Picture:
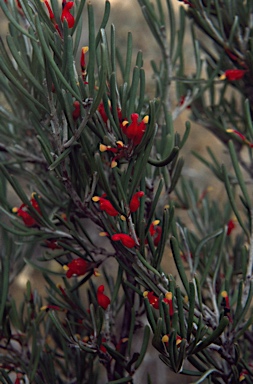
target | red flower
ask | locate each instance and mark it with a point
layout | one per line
(105, 205)
(153, 299)
(51, 13)
(226, 304)
(231, 227)
(52, 244)
(28, 220)
(19, 377)
(83, 62)
(244, 139)
(155, 231)
(135, 201)
(76, 267)
(233, 74)
(165, 339)
(126, 240)
(135, 130)
(66, 15)
(77, 111)
(52, 17)
(103, 300)
(168, 300)
(101, 110)
(102, 347)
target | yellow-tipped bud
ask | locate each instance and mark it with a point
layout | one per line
(125, 122)
(165, 339)
(186, 299)
(223, 77)
(120, 143)
(114, 164)
(65, 267)
(96, 272)
(103, 234)
(145, 293)
(95, 199)
(169, 295)
(156, 222)
(224, 294)
(43, 308)
(15, 209)
(145, 119)
(85, 49)
(122, 217)
(103, 147)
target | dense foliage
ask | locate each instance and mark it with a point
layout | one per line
(96, 166)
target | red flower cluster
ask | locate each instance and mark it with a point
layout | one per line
(120, 151)
(135, 130)
(28, 220)
(154, 300)
(125, 239)
(76, 267)
(106, 205)
(233, 74)
(103, 300)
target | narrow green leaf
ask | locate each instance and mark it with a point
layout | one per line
(143, 347)
(239, 175)
(179, 263)
(232, 201)
(214, 335)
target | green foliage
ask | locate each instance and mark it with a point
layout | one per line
(88, 154)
